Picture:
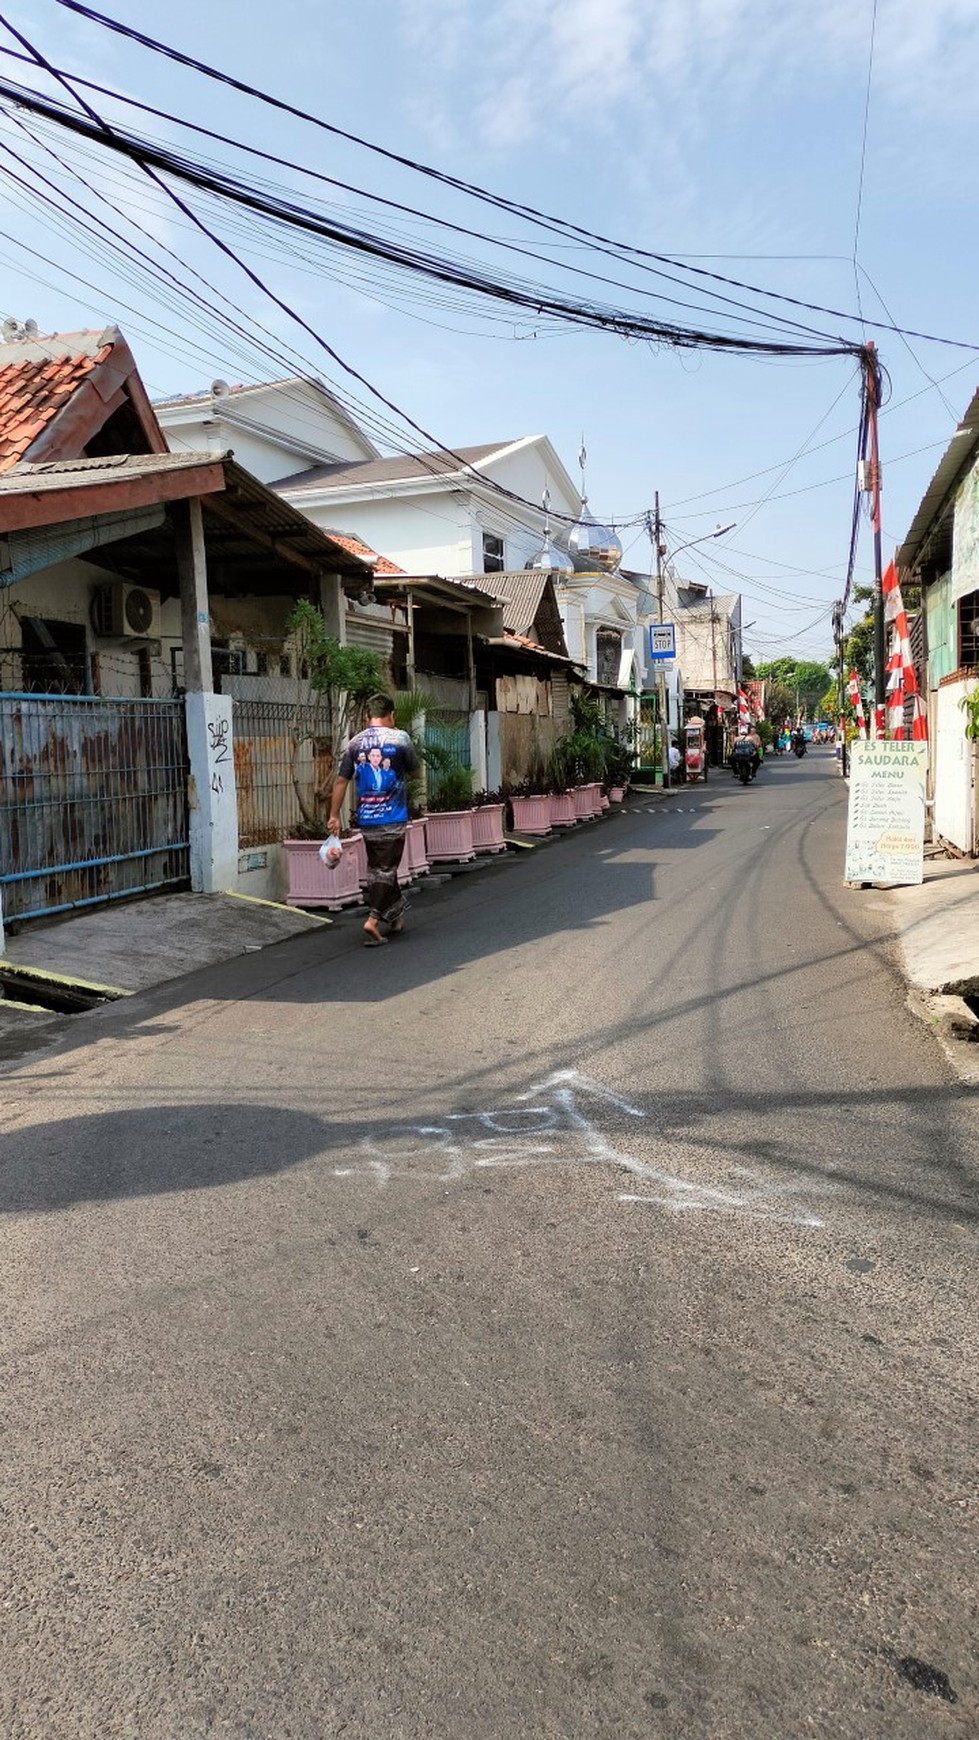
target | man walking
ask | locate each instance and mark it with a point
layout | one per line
(378, 760)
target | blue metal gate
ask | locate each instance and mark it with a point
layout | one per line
(93, 801)
(447, 733)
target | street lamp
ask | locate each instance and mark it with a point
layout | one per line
(654, 526)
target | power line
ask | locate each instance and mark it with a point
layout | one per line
(515, 207)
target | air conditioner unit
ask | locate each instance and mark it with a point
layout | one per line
(121, 611)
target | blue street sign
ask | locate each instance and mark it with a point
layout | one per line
(661, 642)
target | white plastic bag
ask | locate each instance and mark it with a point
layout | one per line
(331, 852)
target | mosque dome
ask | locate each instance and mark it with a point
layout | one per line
(549, 556)
(593, 546)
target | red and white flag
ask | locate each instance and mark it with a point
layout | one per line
(856, 701)
(902, 679)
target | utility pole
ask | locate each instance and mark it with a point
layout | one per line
(872, 388)
(664, 742)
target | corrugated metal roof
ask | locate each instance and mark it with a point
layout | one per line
(251, 503)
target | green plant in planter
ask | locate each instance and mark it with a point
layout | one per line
(411, 706)
(453, 791)
(618, 763)
(329, 707)
(970, 703)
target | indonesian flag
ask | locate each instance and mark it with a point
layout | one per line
(744, 712)
(902, 680)
(856, 701)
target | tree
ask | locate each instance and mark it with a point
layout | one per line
(337, 681)
(779, 703)
(804, 678)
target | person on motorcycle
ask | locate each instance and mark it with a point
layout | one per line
(745, 750)
(798, 741)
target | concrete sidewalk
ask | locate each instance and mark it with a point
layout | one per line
(937, 927)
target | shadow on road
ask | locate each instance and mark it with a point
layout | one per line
(816, 1142)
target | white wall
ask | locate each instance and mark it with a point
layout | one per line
(955, 768)
(425, 534)
(272, 434)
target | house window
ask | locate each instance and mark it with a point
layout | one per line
(53, 657)
(969, 631)
(494, 561)
(608, 657)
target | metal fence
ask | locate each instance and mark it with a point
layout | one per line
(93, 800)
(278, 762)
(448, 734)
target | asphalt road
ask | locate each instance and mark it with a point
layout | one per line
(560, 1323)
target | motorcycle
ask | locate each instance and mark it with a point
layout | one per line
(744, 765)
(799, 750)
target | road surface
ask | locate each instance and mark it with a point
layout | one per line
(561, 1323)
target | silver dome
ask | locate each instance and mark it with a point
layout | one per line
(592, 545)
(550, 557)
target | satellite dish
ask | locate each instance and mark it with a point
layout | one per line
(11, 328)
(31, 328)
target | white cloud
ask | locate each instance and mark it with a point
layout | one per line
(524, 67)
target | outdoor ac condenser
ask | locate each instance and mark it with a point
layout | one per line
(121, 611)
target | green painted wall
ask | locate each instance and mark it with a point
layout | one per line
(941, 619)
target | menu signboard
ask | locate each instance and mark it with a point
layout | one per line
(885, 831)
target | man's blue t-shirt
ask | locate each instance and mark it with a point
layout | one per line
(379, 760)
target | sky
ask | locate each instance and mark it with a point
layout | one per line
(814, 148)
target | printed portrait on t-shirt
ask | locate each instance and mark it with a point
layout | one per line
(378, 761)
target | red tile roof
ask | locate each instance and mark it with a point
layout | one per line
(357, 547)
(33, 389)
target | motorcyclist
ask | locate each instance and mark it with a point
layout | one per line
(746, 748)
(798, 741)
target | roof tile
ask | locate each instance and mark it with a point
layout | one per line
(32, 391)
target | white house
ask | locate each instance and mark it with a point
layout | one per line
(272, 428)
(470, 510)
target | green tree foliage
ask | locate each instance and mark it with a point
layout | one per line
(779, 702)
(339, 681)
(804, 678)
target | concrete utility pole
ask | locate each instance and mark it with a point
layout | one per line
(654, 526)
(664, 742)
(872, 376)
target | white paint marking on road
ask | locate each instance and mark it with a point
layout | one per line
(444, 1155)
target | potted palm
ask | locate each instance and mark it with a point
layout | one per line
(449, 823)
(559, 779)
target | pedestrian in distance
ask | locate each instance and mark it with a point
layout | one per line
(378, 762)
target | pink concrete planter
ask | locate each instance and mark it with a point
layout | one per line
(417, 850)
(562, 810)
(606, 802)
(488, 828)
(616, 793)
(532, 815)
(449, 837)
(595, 796)
(582, 799)
(312, 883)
(414, 858)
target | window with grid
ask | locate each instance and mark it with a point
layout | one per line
(969, 631)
